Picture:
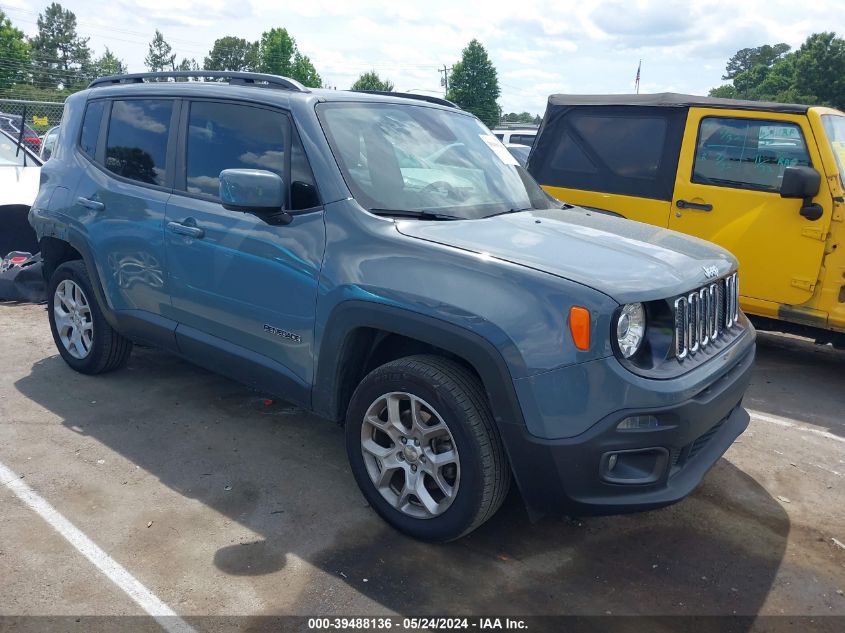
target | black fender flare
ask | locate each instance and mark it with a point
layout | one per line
(75, 240)
(527, 459)
(348, 316)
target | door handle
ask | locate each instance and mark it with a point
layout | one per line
(94, 205)
(683, 204)
(189, 231)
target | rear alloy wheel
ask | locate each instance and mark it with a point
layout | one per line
(73, 318)
(83, 337)
(424, 449)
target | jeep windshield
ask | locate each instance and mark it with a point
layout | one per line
(834, 127)
(417, 161)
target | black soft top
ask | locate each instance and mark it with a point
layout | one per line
(674, 100)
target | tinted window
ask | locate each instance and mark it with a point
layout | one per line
(91, 127)
(523, 139)
(612, 149)
(632, 149)
(747, 153)
(303, 188)
(569, 157)
(231, 136)
(137, 140)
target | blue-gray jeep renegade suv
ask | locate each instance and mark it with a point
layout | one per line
(383, 261)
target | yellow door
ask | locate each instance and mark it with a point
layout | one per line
(727, 192)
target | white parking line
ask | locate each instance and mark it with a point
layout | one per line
(775, 419)
(142, 596)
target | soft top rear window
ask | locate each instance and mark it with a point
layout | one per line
(612, 149)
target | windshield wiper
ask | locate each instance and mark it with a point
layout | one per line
(493, 215)
(413, 213)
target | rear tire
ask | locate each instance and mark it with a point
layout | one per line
(424, 449)
(82, 335)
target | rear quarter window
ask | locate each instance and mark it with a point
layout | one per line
(91, 127)
(136, 147)
(611, 149)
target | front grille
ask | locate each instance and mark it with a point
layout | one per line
(705, 315)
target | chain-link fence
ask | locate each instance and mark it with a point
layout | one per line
(38, 116)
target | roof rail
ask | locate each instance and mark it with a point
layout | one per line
(411, 95)
(234, 77)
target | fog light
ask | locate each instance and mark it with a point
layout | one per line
(639, 422)
(634, 466)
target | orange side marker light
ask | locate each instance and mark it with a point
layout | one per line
(579, 327)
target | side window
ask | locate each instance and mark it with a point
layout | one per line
(747, 153)
(303, 187)
(631, 151)
(231, 136)
(523, 139)
(91, 127)
(136, 146)
(499, 136)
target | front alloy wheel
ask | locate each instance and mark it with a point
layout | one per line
(424, 448)
(410, 455)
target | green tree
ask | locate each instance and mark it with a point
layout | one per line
(232, 53)
(725, 91)
(371, 81)
(59, 55)
(522, 117)
(474, 84)
(109, 64)
(14, 51)
(745, 59)
(813, 74)
(160, 56)
(820, 69)
(188, 64)
(279, 55)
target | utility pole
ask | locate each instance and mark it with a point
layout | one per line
(444, 80)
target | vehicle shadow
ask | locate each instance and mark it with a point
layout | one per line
(283, 474)
(799, 380)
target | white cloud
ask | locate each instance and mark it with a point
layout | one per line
(588, 46)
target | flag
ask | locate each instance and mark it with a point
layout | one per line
(637, 80)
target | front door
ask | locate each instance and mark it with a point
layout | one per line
(727, 191)
(240, 285)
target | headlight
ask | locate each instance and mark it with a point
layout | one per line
(630, 328)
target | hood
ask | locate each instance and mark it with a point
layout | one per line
(19, 185)
(628, 261)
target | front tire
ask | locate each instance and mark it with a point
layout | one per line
(424, 449)
(82, 335)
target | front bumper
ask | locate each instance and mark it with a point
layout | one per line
(572, 475)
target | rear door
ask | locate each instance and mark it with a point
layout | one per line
(243, 289)
(728, 192)
(121, 197)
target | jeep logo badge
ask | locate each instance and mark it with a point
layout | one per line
(710, 271)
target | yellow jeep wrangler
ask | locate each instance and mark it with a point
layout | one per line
(764, 180)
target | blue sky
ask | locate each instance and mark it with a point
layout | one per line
(538, 47)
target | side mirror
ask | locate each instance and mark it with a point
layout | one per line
(252, 190)
(800, 182)
(804, 183)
